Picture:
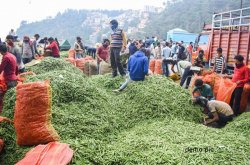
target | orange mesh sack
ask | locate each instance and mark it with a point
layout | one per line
(158, 67)
(226, 90)
(71, 60)
(152, 65)
(244, 97)
(80, 63)
(32, 118)
(216, 86)
(72, 53)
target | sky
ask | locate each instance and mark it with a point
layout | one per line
(13, 12)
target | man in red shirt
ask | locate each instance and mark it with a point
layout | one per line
(9, 69)
(240, 77)
(54, 47)
(103, 53)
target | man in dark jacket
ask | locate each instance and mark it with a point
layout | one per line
(137, 67)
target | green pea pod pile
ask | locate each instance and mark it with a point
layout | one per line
(150, 122)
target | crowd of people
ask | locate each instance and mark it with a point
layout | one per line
(174, 55)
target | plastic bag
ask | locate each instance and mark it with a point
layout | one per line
(53, 153)
(226, 90)
(33, 114)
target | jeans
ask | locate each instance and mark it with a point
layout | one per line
(78, 55)
(125, 84)
(223, 119)
(165, 67)
(116, 61)
(187, 75)
(27, 60)
(235, 100)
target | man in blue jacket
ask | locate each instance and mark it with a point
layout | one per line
(137, 66)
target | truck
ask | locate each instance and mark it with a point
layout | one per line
(229, 30)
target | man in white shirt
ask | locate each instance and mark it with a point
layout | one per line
(166, 53)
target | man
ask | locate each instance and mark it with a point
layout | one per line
(216, 111)
(117, 45)
(27, 50)
(157, 51)
(219, 62)
(103, 53)
(137, 67)
(202, 89)
(188, 73)
(240, 77)
(190, 51)
(132, 48)
(54, 48)
(79, 48)
(9, 68)
(166, 53)
(36, 38)
(14, 49)
(181, 55)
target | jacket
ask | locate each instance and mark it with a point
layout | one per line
(138, 66)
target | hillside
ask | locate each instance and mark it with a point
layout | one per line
(93, 25)
(189, 15)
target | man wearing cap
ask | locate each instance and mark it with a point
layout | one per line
(53, 46)
(216, 111)
(118, 44)
(79, 48)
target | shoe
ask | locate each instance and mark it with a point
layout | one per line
(113, 76)
(116, 90)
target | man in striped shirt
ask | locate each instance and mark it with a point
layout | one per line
(118, 44)
(219, 62)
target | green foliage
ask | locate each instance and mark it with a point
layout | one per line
(150, 122)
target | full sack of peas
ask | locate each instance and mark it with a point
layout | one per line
(33, 114)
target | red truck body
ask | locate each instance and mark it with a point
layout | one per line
(230, 31)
